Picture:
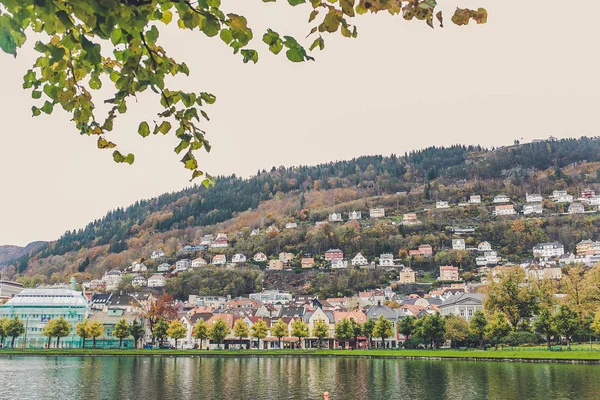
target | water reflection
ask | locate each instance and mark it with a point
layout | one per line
(168, 378)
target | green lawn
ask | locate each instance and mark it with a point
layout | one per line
(478, 354)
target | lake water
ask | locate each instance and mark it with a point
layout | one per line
(180, 378)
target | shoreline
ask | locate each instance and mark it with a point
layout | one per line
(561, 357)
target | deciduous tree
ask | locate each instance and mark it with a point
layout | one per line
(299, 330)
(201, 331)
(121, 331)
(259, 330)
(545, 325)
(137, 331)
(14, 328)
(477, 327)
(497, 328)
(320, 331)
(82, 329)
(176, 330)
(219, 331)
(96, 330)
(280, 330)
(383, 329)
(241, 330)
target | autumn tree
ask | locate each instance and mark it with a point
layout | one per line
(406, 326)
(457, 330)
(62, 328)
(368, 328)
(116, 43)
(477, 327)
(299, 330)
(3, 334)
(121, 331)
(14, 328)
(176, 330)
(432, 329)
(567, 323)
(82, 329)
(160, 330)
(161, 308)
(241, 330)
(219, 331)
(497, 328)
(320, 331)
(259, 330)
(279, 330)
(96, 329)
(545, 325)
(383, 329)
(200, 331)
(343, 331)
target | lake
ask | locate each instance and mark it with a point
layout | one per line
(179, 378)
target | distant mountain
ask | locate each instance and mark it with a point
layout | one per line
(409, 183)
(10, 253)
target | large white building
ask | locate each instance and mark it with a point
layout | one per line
(354, 215)
(183, 265)
(534, 208)
(548, 250)
(475, 199)
(376, 213)
(504, 209)
(386, 260)
(561, 196)
(533, 198)
(441, 204)
(501, 198)
(458, 244)
(359, 260)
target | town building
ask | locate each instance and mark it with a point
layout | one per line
(484, 246)
(338, 263)
(406, 276)
(112, 279)
(9, 289)
(375, 312)
(377, 213)
(271, 297)
(221, 242)
(164, 267)
(533, 198)
(533, 208)
(307, 262)
(183, 265)
(359, 260)
(157, 281)
(458, 244)
(501, 198)
(285, 257)
(291, 225)
(587, 193)
(548, 250)
(410, 219)
(139, 281)
(441, 204)
(157, 254)
(576, 208)
(426, 250)
(35, 307)
(386, 260)
(463, 305)
(504, 209)
(335, 217)
(561, 196)
(475, 199)
(333, 254)
(275, 265)
(238, 258)
(488, 258)
(219, 259)
(354, 215)
(198, 262)
(448, 273)
(260, 257)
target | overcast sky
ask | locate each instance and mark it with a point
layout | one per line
(530, 72)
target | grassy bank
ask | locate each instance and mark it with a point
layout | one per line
(512, 354)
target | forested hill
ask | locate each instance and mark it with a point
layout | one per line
(308, 193)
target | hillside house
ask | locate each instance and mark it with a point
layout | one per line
(291, 225)
(576, 208)
(587, 193)
(333, 254)
(238, 258)
(504, 209)
(548, 250)
(475, 199)
(221, 242)
(484, 246)
(275, 265)
(533, 208)
(441, 204)
(410, 219)
(359, 260)
(285, 257)
(488, 258)
(338, 263)
(376, 213)
(219, 259)
(139, 281)
(164, 267)
(307, 262)
(335, 217)
(157, 281)
(448, 273)
(255, 232)
(198, 262)
(501, 198)
(533, 198)
(260, 257)
(157, 254)
(458, 244)
(426, 250)
(406, 276)
(561, 196)
(354, 215)
(183, 265)
(386, 260)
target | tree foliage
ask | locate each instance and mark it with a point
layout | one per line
(320, 331)
(218, 331)
(13, 328)
(478, 326)
(201, 331)
(122, 330)
(176, 330)
(383, 329)
(299, 330)
(279, 330)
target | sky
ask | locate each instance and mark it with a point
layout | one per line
(530, 72)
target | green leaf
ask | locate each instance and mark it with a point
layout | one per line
(118, 157)
(36, 94)
(104, 144)
(250, 55)
(347, 7)
(47, 107)
(35, 111)
(164, 127)
(272, 39)
(167, 16)
(130, 159)
(7, 42)
(296, 2)
(144, 129)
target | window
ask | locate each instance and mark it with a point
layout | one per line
(462, 312)
(470, 312)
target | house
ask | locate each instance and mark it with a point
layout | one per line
(183, 265)
(291, 225)
(354, 215)
(307, 262)
(311, 317)
(207, 240)
(271, 297)
(378, 310)
(359, 260)
(484, 246)
(548, 250)
(275, 265)
(441, 204)
(157, 254)
(594, 201)
(285, 257)
(576, 208)
(338, 263)
(464, 305)
(458, 244)
(221, 242)
(219, 259)
(138, 267)
(407, 276)
(321, 223)
(198, 262)
(535, 208)
(255, 232)
(335, 217)
(587, 193)
(238, 258)
(504, 209)
(561, 196)
(501, 198)
(112, 279)
(193, 249)
(587, 247)
(475, 199)
(426, 250)
(448, 273)
(139, 281)
(553, 273)
(410, 219)
(260, 257)
(533, 198)
(376, 213)
(333, 254)
(157, 280)
(164, 267)
(386, 260)
(488, 258)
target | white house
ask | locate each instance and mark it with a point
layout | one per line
(198, 262)
(504, 209)
(139, 281)
(260, 257)
(533, 198)
(576, 208)
(238, 258)
(157, 280)
(501, 198)
(164, 267)
(183, 265)
(484, 246)
(441, 204)
(594, 201)
(337, 263)
(475, 199)
(377, 213)
(561, 196)
(386, 260)
(335, 217)
(254, 232)
(219, 259)
(138, 267)
(291, 225)
(112, 279)
(458, 244)
(534, 208)
(359, 260)
(488, 258)
(221, 242)
(157, 254)
(548, 250)
(355, 215)
(463, 305)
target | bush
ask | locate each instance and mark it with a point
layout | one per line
(520, 338)
(413, 343)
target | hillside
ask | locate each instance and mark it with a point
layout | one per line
(400, 184)
(10, 253)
